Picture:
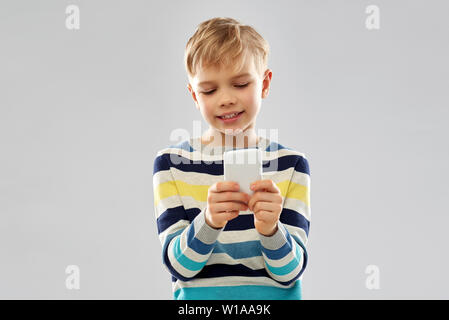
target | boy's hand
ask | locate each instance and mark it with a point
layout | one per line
(266, 203)
(224, 203)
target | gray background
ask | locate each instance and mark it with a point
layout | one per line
(83, 113)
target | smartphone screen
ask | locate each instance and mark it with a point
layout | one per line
(243, 166)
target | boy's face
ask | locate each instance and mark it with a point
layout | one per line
(218, 91)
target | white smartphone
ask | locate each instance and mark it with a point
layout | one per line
(243, 166)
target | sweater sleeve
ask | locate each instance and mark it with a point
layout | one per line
(186, 246)
(285, 253)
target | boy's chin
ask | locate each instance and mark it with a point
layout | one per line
(231, 131)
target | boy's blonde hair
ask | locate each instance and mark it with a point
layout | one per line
(223, 42)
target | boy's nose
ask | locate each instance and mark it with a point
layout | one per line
(227, 99)
(227, 102)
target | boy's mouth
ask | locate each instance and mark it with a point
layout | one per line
(230, 117)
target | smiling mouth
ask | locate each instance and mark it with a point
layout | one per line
(233, 116)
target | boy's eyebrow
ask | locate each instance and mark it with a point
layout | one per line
(237, 76)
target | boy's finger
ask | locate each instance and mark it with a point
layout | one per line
(229, 206)
(263, 215)
(265, 206)
(267, 184)
(261, 196)
(231, 196)
(230, 215)
(225, 186)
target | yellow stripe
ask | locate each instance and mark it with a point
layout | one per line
(199, 192)
(292, 190)
(171, 188)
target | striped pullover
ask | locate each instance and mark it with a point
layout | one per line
(234, 262)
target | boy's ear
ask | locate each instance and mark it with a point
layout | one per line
(192, 92)
(266, 82)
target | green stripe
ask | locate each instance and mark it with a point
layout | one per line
(185, 261)
(289, 267)
(254, 292)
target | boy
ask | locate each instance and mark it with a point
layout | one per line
(217, 242)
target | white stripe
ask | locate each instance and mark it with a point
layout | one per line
(300, 178)
(233, 236)
(191, 203)
(161, 177)
(205, 179)
(196, 178)
(298, 206)
(181, 224)
(167, 203)
(299, 232)
(223, 258)
(288, 276)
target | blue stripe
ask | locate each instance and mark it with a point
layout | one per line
(242, 222)
(196, 244)
(294, 218)
(185, 144)
(247, 292)
(289, 267)
(302, 165)
(166, 260)
(305, 256)
(282, 251)
(160, 164)
(185, 261)
(173, 215)
(239, 250)
(169, 238)
(225, 270)
(274, 146)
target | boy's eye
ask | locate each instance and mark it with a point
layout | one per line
(237, 85)
(209, 92)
